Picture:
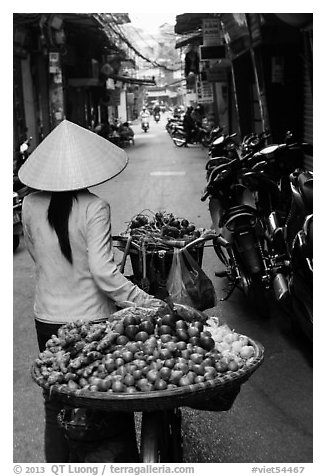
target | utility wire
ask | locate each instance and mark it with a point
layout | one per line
(126, 40)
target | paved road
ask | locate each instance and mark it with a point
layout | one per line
(271, 419)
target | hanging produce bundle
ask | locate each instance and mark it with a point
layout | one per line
(142, 350)
(162, 228)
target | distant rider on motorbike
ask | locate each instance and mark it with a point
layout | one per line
(144, 115)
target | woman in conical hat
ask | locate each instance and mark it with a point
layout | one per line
(67, 231)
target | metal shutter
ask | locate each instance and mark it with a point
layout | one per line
(307, 97)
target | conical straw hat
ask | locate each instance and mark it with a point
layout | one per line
(71, 158)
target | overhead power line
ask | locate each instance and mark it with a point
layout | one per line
(116, 29)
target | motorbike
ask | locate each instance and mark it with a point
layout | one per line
(299, 238)
(17, 220)
(241, 242)
(145, 125)
(19, 192)
(224, 146)
(172, 123)
(199, 135)
(157, 116)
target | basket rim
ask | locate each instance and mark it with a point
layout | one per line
(223, 381)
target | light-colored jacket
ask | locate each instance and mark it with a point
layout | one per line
(89, 288)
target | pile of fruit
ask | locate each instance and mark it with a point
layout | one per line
(161, 227)
(141, 350)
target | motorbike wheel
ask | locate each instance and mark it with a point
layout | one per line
(161, 437)
(16, 242)
(257, 295)
(178, 139)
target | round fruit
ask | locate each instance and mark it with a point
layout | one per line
(186, 354)
(118, 327)
(195, 340)
(165, 373)
(247, 351)
(176, 376)
(160, 384)
(229, 338)
(110, 365)
(118, 387)
(233, 366)
(129, 380)
(137, 374)
(169, 363)
(130, 320)
(207, 342)
(171, 346)
(199, 369)
(199, 378)
(181, 345)
(196, 358)
(169, 320)
(165, 354)
(131, 331)
(122, 340)
(144, 385)
(147, 326)
(199, 325)
(222, 365)
(101, 386)
(127, 356)
(193, 331)
(236, 346)
(152, 375)
(119, 361)
(164, 329)
(184, 381)
(182, 334)
(166, 338)
(131, 389)
(199, 350)
(140, 363)
(116, 354)
(181, 324)
(142, 336)
(132, 346)
(209, 362)
(182, 367)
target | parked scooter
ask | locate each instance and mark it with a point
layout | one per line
(17, 220)
(19, 192)
(199, 135)
(172, 123)
(241, 245)
(299, 237)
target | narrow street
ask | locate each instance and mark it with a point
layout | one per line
(271, 419)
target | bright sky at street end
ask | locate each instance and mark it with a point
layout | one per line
(150, 21)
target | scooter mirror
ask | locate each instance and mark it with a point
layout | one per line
(23, 148)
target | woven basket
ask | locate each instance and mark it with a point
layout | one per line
(217, 394)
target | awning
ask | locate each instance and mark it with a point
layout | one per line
(191, 39)
(130, 79)
(94, 82)
(189, 22)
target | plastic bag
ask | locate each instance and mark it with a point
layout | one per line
(188, 284)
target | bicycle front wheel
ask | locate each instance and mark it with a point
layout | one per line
(161, 437)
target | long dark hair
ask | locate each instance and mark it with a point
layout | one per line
(58, 216)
